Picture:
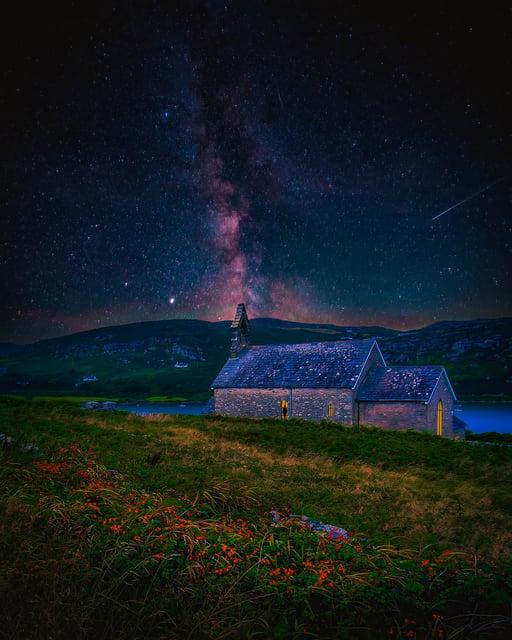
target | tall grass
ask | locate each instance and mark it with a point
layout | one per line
(100, 537)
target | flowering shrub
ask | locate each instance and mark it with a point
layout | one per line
(278, 576)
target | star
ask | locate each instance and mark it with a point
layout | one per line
(314, 187)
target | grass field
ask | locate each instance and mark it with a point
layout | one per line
(158, 527)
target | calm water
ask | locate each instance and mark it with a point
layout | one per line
(478, 416)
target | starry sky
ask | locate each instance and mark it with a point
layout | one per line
(169, 160)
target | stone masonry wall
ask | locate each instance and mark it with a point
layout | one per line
(441, 392)
(253, 403)
(311, 404)
(394, 415)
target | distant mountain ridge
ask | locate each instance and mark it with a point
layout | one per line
(181, 357)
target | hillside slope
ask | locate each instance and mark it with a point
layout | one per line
(127, 527)
(140, 359)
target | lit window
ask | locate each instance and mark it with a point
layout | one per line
(440, 418)
(330, 410)
(284, 409)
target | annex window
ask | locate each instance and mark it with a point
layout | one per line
(284, 409)
(330, 410)
(439, 430)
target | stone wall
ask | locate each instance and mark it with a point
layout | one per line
(441, 392)
(311, 404)
(253, 403)
(394, 415)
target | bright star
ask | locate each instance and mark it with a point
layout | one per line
(171, 300)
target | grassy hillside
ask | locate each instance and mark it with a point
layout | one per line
(158, 527)
(138, 360)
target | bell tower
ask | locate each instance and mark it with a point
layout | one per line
(239, 331)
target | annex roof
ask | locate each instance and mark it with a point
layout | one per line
(415, 383)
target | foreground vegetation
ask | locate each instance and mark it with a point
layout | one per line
(119, 526)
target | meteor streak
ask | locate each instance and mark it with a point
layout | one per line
(470, 197)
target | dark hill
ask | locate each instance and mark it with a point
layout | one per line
(140, 359)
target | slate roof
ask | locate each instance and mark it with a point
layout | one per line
(401, 383)
(310, 365)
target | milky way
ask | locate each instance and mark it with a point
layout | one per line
(171, 160)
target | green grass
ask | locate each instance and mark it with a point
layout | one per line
(77, 400)
(181, 545)
(490, 436)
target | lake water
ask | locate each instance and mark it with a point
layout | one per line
(483, 416)
(479, 416)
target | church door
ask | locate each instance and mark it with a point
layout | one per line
(284, 409)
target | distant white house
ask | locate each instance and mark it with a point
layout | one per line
(180, 365)
(89, 379)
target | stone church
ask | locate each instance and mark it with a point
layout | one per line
(346, 381)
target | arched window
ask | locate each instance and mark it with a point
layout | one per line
(330, 410)
(284, 409)
(440, 418)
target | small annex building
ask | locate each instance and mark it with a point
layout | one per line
(346, 381)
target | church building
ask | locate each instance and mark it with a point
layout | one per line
(346, 381)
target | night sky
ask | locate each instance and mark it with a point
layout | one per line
(169, 160)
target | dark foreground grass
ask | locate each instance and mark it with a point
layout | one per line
(177, 542)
